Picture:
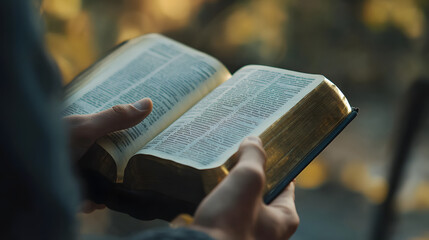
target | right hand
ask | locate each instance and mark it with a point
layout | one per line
(235, 210)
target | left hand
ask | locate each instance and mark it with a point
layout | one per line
(84, 130)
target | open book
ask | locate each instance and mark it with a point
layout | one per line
(201, 113)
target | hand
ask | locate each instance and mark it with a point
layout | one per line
(86, 129)
(234, 209)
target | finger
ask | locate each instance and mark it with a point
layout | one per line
(246, 181)
(252, 153)
(284, 206)
(119, 117)
(248, 176)
(239, 194)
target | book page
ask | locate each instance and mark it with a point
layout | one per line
(247, 104)
(174, 76)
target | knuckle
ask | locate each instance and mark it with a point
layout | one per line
(125, 116)
(125, 111)
(293, 226)
(122, 109)
(292, 222)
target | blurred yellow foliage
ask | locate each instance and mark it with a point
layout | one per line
(260, 22)
(140, 17)
(376, 190)
(422, 195)
(62, 9)
(74, 49)
(314, 175)
(73, 45)
(355, 176)
(404, 14)
(239, 27)
(175, 10)
(416, 198)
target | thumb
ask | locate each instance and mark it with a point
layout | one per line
(120, 117)
(239, 194)
(249, 175)
(246, 180)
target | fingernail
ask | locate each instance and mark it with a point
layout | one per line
(143, 104)
(254, 139)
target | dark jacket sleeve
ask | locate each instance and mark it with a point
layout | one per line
(38, 193)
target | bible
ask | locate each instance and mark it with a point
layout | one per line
(169, 162)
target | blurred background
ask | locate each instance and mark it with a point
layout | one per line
(372, 49)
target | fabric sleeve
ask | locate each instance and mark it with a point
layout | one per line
(39, 195)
